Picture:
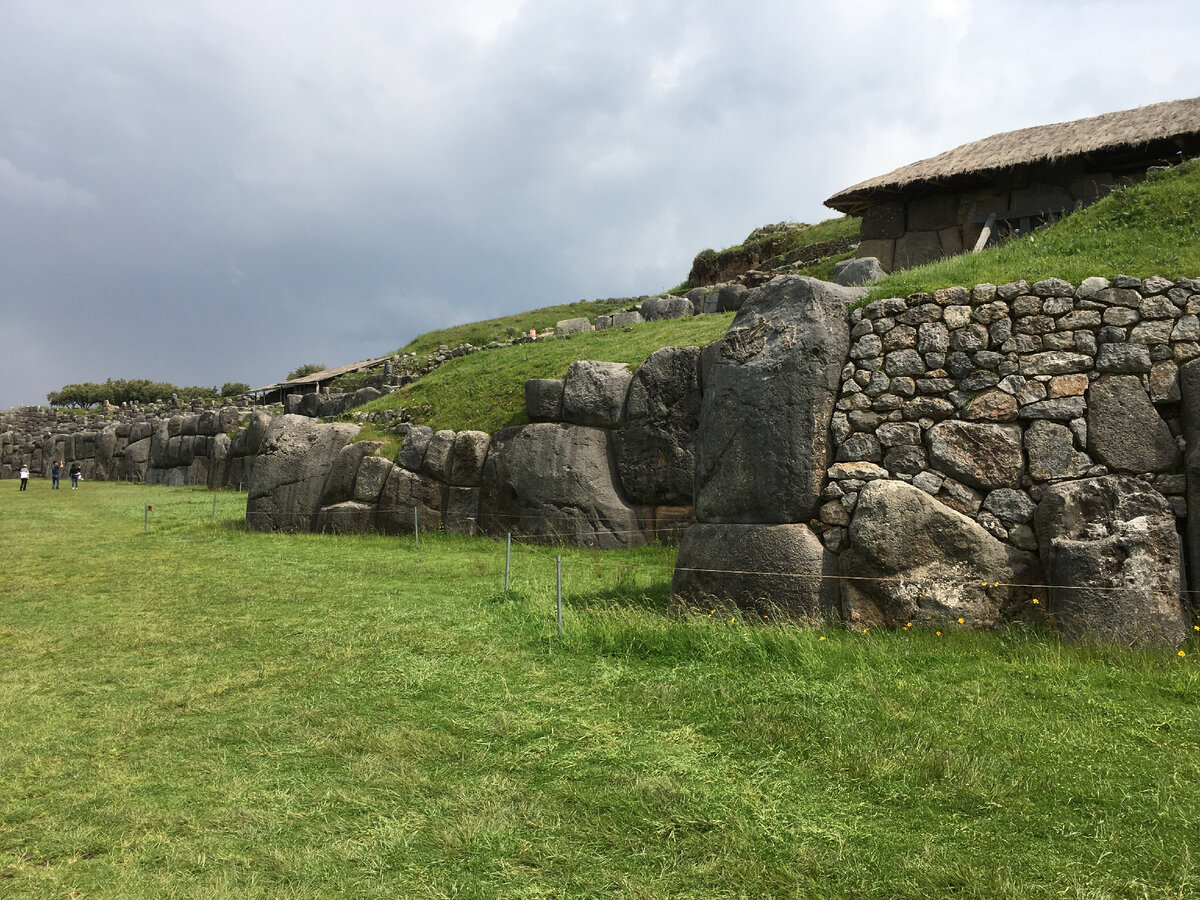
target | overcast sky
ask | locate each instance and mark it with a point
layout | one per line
(201, 192)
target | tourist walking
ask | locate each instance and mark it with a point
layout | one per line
(76, 472)
(55, 474)
(24, 477)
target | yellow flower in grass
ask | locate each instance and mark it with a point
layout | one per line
(1034, 601)
(961, 621)
(821, 638)
(938, 633)
(1182, 654)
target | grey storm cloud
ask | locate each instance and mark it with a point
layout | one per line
(218, 191)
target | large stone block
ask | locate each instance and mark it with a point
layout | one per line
(290, 472)
(1125, 431)
(769, 388)
(983, 455)
(464, 465)
(543, 399)
(917, 248)
(407, 497)
(654, 451)
(910, 558)
(556, 481)
(1111, 554)
(594, 393)
(654, 309)
(884, 221)
(762, 569)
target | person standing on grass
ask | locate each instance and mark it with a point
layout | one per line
(55, 474)
(76, 471)
(24, 477)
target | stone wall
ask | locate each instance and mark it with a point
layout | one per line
(606, 462)
(213, 446)
(1012, 451)
(983, 397)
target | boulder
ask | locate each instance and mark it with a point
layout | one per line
(910, 558)
(373, 473)
(654, 451)
(1112, 556)
(464, 465)
(437, 455)
(769, 388)
(980, 454)
(762, 569)
(404, 492)
(543, 399)
(1052, 453)
(594, 393)
(554, 480)
(348, 517)
(567, 327)
(654, 309)
(852, 272)
(137, 455)
(412, 451)
(339, 484)
(1125, 431)
(289, 474)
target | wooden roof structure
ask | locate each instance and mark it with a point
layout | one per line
(1176, 122)
(317, 378)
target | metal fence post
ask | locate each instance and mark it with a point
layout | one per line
(558, 604)
(416, 528)
(507, 561)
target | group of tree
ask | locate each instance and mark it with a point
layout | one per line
(138, 390)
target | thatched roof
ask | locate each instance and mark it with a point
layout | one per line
(324, 375)
(1041, 144)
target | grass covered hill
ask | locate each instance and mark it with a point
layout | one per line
(250, 715)
(1150, 228)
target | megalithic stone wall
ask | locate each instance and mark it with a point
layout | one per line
(990, 403)
(215, 446)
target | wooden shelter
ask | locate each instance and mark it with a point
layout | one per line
(1013, 181)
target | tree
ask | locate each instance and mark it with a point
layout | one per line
(306, 369)
(234, 388)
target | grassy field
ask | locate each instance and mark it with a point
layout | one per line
(196, 711)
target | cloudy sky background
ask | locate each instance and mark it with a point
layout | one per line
(215, 191)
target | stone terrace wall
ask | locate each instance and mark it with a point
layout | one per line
(213, 446)
(984, 397)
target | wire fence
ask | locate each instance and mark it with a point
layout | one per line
(424, 522)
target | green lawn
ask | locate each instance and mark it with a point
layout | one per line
(196, 711)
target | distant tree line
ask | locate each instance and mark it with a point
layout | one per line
(139, 390)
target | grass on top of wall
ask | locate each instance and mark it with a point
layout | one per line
(485, 391)
(505, 328)
(198, 711)
(1152, 228)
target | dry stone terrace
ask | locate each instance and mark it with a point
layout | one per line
(982, 397)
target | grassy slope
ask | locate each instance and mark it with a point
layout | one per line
(486, 390)
(1150, 229)
(507, 327)
(255, 715)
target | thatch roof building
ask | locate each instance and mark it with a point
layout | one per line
(937, 206)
